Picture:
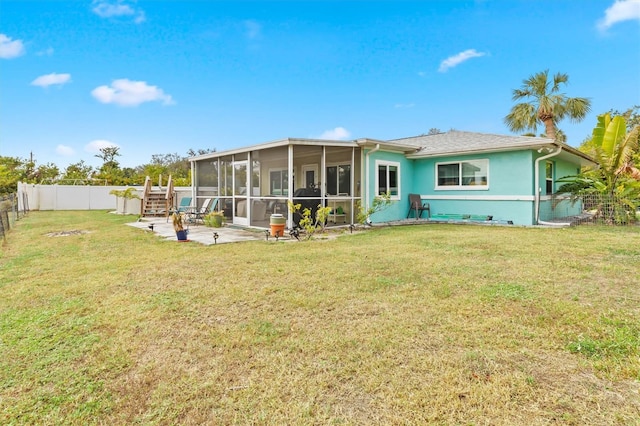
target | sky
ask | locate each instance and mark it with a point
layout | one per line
(162, 77)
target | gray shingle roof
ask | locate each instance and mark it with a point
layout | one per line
(458, 142)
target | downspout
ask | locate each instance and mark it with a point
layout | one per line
(366, 180)
(539, 189)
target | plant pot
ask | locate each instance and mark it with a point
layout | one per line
(182, 235)
(215, 221)
(277, 223)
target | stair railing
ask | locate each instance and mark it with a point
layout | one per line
(169, 196)
(145, 196)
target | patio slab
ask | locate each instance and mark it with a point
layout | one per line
(204, 234)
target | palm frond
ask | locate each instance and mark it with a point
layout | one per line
(546, 106)
(577, 108)
(537, 84)
(521, 117)
(558, 79)
(520, 93)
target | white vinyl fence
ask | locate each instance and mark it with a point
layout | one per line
(84, 197)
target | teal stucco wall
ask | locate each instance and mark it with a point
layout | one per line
(557, 207)
(508, 196)
(399, 207)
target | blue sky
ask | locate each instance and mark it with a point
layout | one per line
(160, 77)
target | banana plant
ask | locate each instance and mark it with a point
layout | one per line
(614, 149)
(617, 177)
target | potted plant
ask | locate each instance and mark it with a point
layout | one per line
(178, 226)
(122, 195)
(214, 219)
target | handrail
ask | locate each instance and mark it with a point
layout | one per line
(147, 187)
(169, 193)
(169, 197)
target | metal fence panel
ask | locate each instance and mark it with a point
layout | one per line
(598, 209)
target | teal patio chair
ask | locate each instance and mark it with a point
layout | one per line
(185, 205)
(199, 214)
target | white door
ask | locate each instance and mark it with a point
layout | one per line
(240, 193)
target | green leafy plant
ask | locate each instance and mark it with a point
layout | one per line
(128, 194)
(380, 203)
(308, 222)
(214, 219)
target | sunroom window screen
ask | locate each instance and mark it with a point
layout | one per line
(279, 182)
(339, 179)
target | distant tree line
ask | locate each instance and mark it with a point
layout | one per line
(15, 169)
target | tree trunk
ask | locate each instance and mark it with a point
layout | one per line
(550, 127)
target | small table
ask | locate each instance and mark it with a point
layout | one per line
(333, 216)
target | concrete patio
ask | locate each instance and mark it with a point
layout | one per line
(204, 234)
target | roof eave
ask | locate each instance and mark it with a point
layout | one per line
(404, 148)
(275, 144)
(584, 159)
(474, 151)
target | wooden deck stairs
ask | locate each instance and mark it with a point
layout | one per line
(157, 201)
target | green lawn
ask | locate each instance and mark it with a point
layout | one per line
(433, 324)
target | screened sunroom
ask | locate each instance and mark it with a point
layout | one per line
(252, 183)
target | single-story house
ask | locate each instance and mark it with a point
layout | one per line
(460, 174)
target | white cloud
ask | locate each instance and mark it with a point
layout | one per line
(125, 92)
(96, 145)
(10, 48)
(65, 151)
(253, 29)
(107, 9)
(620, 10)
(339, 133)
(51, 79)
(456, 60)
(46, 52)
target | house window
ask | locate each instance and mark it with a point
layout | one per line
(339, 179)
(472, 174)
(549, 177)
(388, 179)
(279, 182)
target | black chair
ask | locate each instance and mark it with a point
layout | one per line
(416, 205)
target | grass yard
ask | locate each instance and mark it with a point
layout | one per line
(435, 324)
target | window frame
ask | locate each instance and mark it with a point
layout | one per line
(337, 182)
(549, 180)
(387, 164)
(284, 191)
(460, 185)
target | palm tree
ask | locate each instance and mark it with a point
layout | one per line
(547, 106)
